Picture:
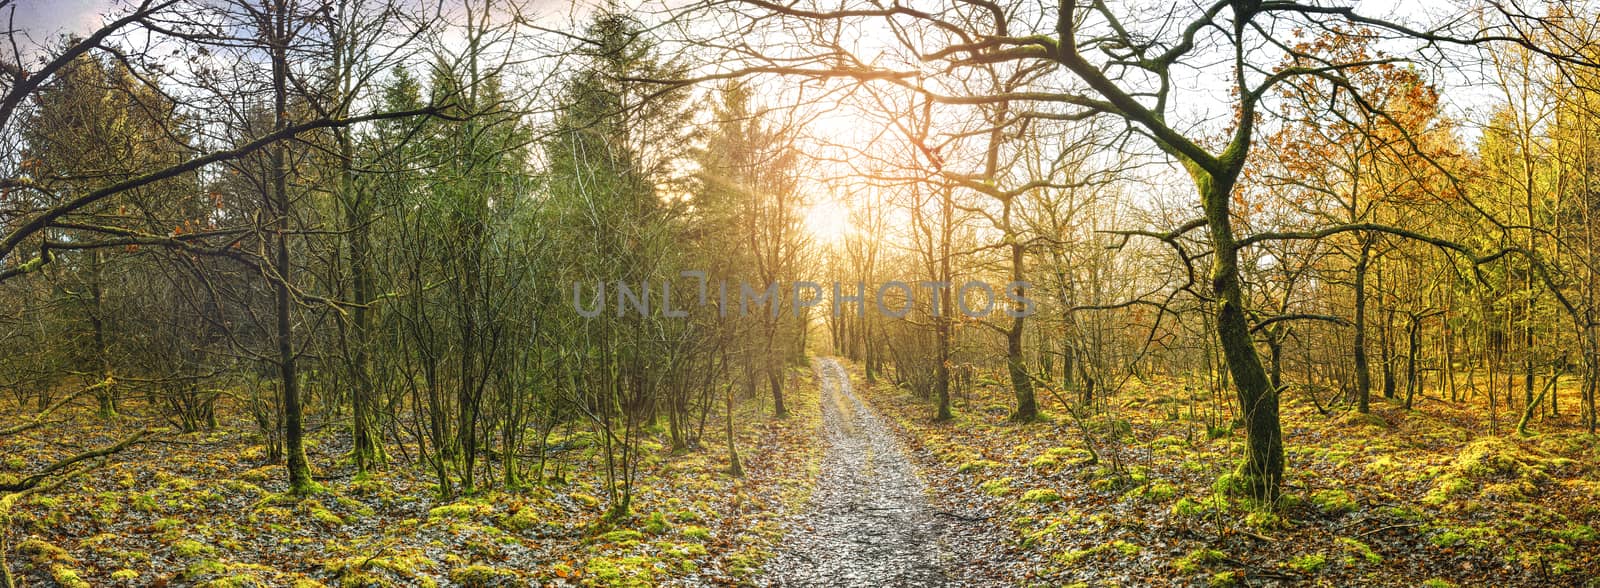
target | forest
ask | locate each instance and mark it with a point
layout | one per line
(799, 293)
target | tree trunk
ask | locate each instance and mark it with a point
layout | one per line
(1413, 350)
(1262, 468)
(1387, 349)
(278, 202)
(1363, 371)
(941, 371)
(775, 380)
(1027, 406)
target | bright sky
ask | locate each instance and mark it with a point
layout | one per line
(44, 19)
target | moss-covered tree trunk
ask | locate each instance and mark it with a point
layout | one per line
(1027, 406)
(1262, 469)
(278, 202)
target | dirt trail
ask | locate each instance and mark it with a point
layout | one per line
(869, 523)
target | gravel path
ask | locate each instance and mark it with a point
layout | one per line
(869, 523)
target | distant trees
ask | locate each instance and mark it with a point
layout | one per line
(616, 206)
(748, 209)
(92, 125)
(1357, 150)
(1371, 135)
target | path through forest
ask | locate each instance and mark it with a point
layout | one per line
(869, 523)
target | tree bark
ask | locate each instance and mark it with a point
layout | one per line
(278, 201)
(1363, 371)
(1262, 469)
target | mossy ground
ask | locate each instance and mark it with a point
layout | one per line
(1393, 498)
(207, 511)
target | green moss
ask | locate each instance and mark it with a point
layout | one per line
(168, 524)
(1230, 484)
(124, 575)
(56, 561)
(682, 550)
(1477, 537)
(976, 465)
(45, 502)
(234, 581)
(243, 487)
(1514, 491)
(1044, 462)
(1384, 465)
(1041, 496)
(697, 533)
(1446, 488)
(271, 513)
(189, 549)
(1167, 441)
(1069, 454)
(1032, 538)
(998, 487)
(1119, 546)
(1368, 419)
(1578, 533)
(1113, 427)
(1488, 456)
(1262, 519)
(585, 499)
(322, 515)
(1333, 501)
(1195, 560)
(1072, 557)
(353, 505)
(1438, 583)
(657, 524)
(1409, 513)
(1359, 552)
(463, 510)
(482, 576)
(627, 572)
(746, 562)
(258, 475)
(1224, 579)
(523, 519)
(623, 537)
(1154, 492)
(179, 484)
(1310, 563)
(67, 577)
(357, 571)
(203, 568)
(1188, 507)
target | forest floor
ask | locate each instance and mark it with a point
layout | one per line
(203, 509)
(857, 487)
(1424, 497)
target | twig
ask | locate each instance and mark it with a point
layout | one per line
(1257, 536)
(962, 517)
(1389, 527)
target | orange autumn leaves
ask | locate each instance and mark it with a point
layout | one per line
(1367, 132)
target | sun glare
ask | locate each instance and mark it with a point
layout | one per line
(828, 221)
